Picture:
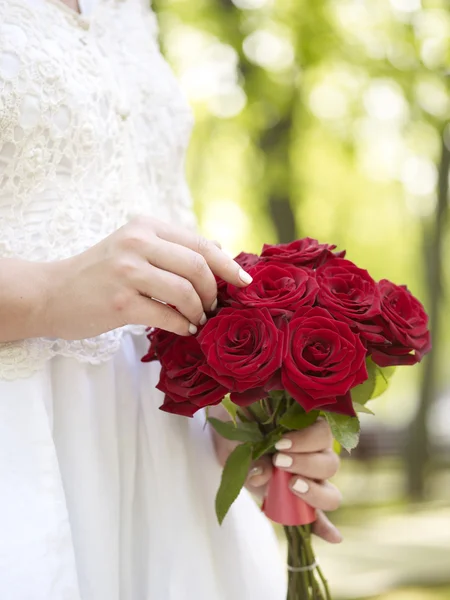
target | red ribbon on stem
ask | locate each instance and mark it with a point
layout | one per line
(282, 506)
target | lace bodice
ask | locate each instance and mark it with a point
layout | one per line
(93, 130)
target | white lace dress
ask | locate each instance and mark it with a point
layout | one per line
(103, 496)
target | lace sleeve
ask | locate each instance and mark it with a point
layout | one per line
(93, 130)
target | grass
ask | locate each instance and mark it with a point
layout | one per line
(414, 593)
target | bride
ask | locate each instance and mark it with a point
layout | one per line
(103, 496)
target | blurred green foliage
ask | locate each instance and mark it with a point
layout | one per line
(417, 593)
(337, 105)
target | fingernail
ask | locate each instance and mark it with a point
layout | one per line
(283, 444)
(203, 319)
(255, 472)
(214, 305)
(300, 486)
(192, 329)
(244, 276)
(283, 460)
(336, 533)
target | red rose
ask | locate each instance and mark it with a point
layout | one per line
(185, 386)
(325, 360)
(405, 327)
(301, 253)
(246, 261)
(243, 349)
(349, 294)
(281, 288)
(160, 340)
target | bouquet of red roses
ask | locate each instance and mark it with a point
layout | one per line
(313, 335)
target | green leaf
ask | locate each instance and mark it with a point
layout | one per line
(234, 476)
(243, 417)
(362, 408)
(279, 406)
(230, 407)
(265, 411)
(278, 395)
(258, 411)
(375, 385)
(345, 429)
(296, 418)
(268, 443)
(242, 432)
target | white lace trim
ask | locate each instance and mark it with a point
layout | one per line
(22, 359)
(93, 131)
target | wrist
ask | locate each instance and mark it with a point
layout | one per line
(47, 301)
(24, 287)
(40, 283)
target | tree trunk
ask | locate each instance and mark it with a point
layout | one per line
(275, 143)
(418, 444)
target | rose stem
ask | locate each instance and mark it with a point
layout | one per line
(297, 581)
(311, 560)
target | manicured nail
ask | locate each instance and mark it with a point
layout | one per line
(255, 472)
(192, 329)
(283, 460)
(300, 486)
(244, 276)
(214, 305)
(283, 444)
(203, 319)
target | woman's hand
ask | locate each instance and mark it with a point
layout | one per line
(309, 456)
(134, 276)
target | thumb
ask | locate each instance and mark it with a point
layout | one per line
(259, 474)
(325, 529)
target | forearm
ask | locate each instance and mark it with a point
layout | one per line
(24, 287)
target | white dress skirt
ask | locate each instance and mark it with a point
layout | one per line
(103, 496)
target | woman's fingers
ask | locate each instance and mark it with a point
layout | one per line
(322, 495)
(315, 438)
(144, 311)
(316, 465)
(171, 289)
(185, 263)
(181, 252)
(219, 262)
(325, 529)
(259, 474)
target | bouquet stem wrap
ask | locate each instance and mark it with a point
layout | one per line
(282, 506)
(305, 580)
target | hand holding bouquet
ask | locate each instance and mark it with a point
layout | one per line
(314, 336)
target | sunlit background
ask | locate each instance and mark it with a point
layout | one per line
(329, 119)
